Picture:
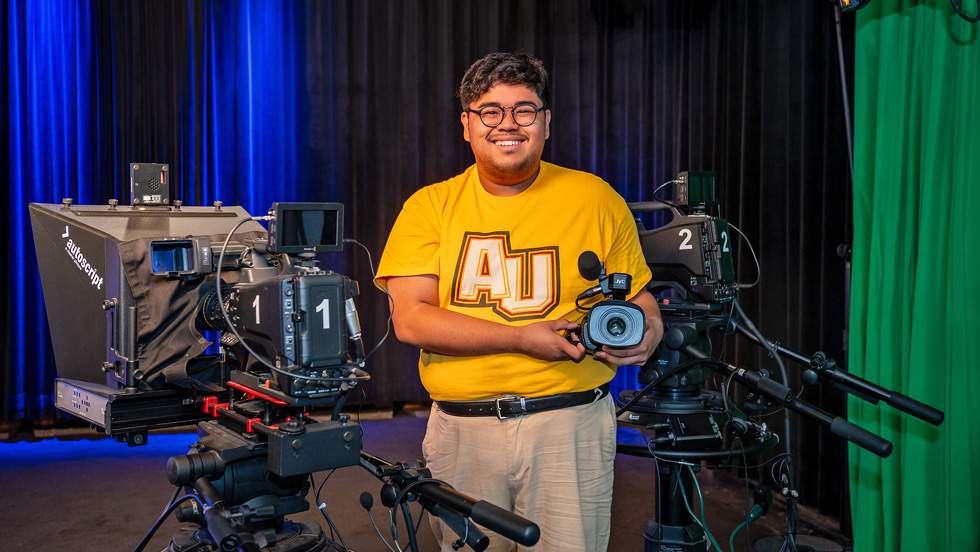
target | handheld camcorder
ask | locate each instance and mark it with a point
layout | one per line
(613, 321)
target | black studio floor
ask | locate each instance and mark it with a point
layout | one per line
(74, 491)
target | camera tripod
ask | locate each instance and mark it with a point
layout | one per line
(685, 431)
(246, 476)
(681, 417)
(251, 468)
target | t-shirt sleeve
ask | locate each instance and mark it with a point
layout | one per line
(625, 253)
(413, 245)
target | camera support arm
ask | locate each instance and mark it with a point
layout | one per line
(784, 396)
(405, 482)
(825, 369)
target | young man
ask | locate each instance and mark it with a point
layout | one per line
(482, 270)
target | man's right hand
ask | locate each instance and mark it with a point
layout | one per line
(546, 340)
(420, 321)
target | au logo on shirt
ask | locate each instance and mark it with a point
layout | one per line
(518, 284)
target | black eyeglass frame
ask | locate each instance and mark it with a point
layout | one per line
(479, 113)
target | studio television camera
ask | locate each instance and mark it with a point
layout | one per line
(164, 277)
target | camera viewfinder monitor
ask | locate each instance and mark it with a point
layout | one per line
(306, 228)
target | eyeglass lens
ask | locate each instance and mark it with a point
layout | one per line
(524, 115)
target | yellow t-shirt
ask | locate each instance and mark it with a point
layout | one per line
(513, 260)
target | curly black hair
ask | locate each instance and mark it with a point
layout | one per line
(507, 68)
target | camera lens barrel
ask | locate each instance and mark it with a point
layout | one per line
(614, 323)
(209, 312)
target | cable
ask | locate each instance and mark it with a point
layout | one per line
(163, 516)
(401, 495)
(724, 392)
(843, 90)
(383, 539)
(323, 510)
(662, 186)
(758, 269)
(687, 505)
(374, 279)
(221, 302)
(418, 525)
(324, 482)
(724, 338)
(656, 381)
(656, 469)
(791, 530)
(956, 7)
(231, 326)
(173, 497)
(754, 514)
(745, 461)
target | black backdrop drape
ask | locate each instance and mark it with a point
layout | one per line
(355, 103)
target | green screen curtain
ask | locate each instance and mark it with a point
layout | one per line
(916, 277)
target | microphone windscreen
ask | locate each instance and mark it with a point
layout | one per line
(367, 500)
(589, 266)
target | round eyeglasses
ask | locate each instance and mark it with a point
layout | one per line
(492, 115)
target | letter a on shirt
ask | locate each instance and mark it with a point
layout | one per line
(516, 284)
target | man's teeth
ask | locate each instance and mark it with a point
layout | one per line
(507, 142)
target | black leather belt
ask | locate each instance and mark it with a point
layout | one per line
(510, 406)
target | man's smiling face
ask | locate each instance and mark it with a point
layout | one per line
(507, 156)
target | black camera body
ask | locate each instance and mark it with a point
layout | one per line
(292, 318)
(297, 320)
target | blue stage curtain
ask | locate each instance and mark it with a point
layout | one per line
(51, 154)
(90, 88)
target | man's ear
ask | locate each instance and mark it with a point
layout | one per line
(465, 119)
(547, 124)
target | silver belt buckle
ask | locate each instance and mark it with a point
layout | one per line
(496, 403)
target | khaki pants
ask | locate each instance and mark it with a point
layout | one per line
(554, 468)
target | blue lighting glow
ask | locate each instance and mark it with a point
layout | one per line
(237, 121)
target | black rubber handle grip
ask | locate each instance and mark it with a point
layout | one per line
(919, 410)
(493, 517)
(861, 437)
(221, 530)
(508, 524)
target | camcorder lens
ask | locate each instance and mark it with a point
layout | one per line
(616, 326)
